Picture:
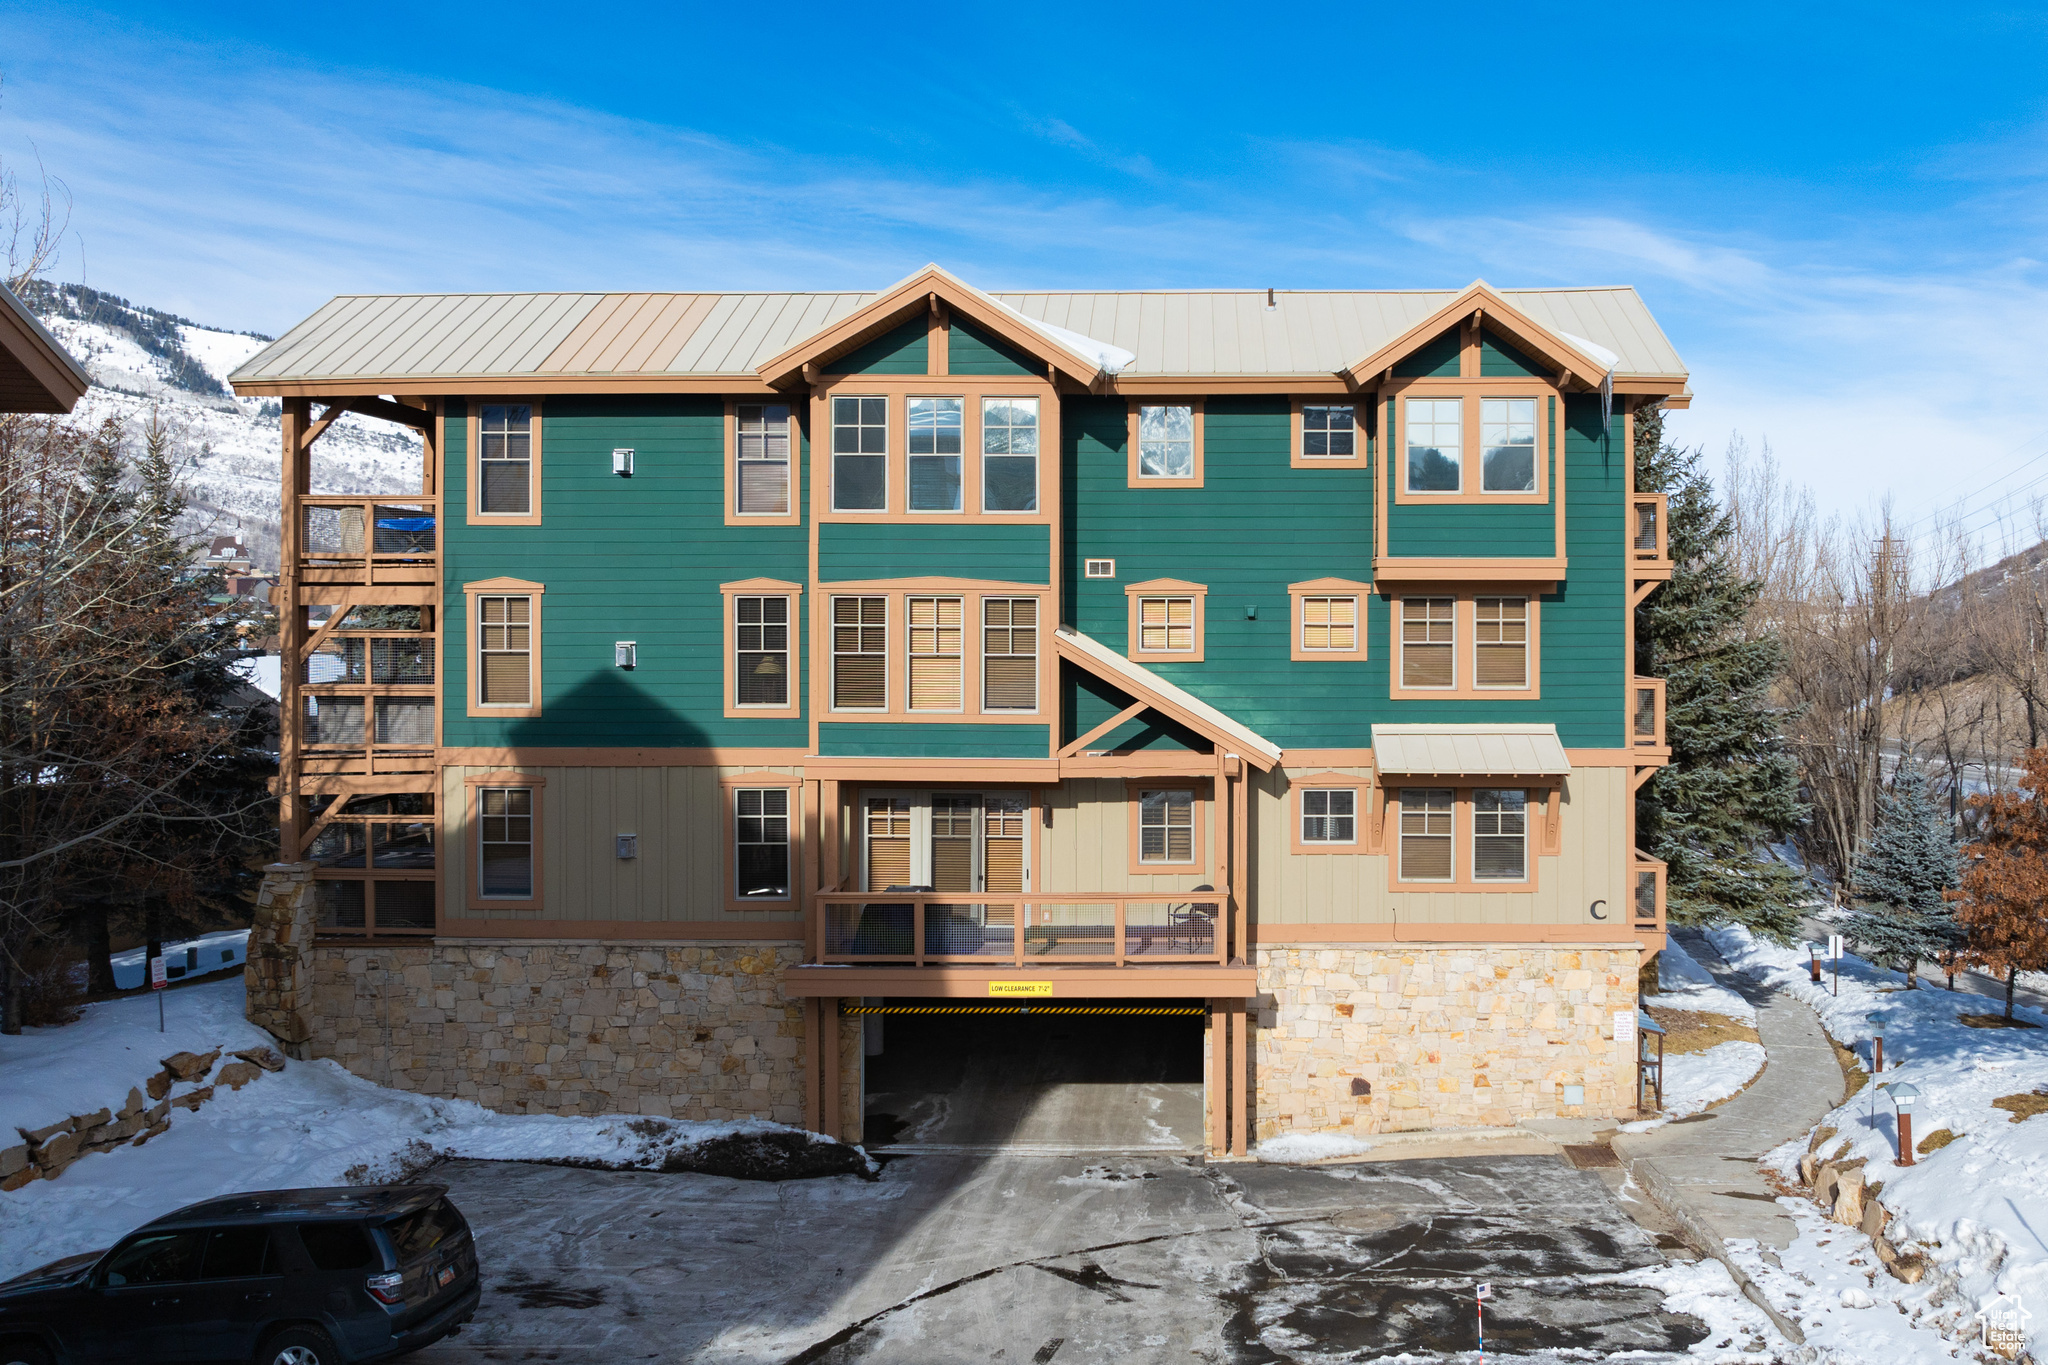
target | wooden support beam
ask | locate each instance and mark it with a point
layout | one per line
(327, 419)
(814, 1082)
(828, 1039)
(1215, 1073)
(386, 411)
(1099, 731)
(1641, 591)
(1240, 1078)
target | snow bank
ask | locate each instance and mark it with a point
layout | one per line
(1296, 1147)
(311, 1124)
(1980, 1205)
(1683, 984)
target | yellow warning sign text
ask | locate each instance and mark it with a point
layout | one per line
(1016, 988)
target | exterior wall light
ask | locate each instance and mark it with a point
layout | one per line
(622, 461)
(1902, 1094)
(627, 845)
(626, 654)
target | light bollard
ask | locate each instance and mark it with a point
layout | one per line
(1902, 1095)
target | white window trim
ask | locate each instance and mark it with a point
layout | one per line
(1037, 465)
(1305, 817)
(832, 454)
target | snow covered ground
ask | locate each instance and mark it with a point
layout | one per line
(1697, 1080)
(1977, 1207)
(311, 1124)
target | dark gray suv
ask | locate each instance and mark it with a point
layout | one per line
(282, 1277)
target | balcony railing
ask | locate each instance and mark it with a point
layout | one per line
(1647, 903)
(1649, 540)
(1646, 714)
(1080, 930)
(369, 542)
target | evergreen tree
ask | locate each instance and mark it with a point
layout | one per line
(1901, 876)
(1732, 785)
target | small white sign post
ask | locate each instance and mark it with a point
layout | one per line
(1835, 953)
(1479, 1298)
(158, 979)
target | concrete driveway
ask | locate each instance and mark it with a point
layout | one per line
(1026, 1258)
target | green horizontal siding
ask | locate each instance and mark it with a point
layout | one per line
(885, 739)
(1436, 360)
(945, 547)
(969, 350)
(623, 559)
(1501, 360)
(906, 350)
(1472, 530)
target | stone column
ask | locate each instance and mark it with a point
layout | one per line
(279, 976)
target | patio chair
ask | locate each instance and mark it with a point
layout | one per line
(1191, 926)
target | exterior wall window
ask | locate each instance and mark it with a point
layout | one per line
(1428, 642)
(1501, 648)
(761, 647)
(1166, 442)
(1507, 444)
(1009, 454)
(761, 843)
(1436, 436)
(860, 653)
(860, 454)
(763, 455)
(1166, 625)
(1426, 814)
(505, 651)
(1328, 432)
(1329, 624)
(1166, 827)
(935, 430)
(1329, 815)
(1009, 653)
(505, 459)
(935, 653)
(505, 843)
(1500, 836)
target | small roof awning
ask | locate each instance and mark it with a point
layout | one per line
(1468, 751)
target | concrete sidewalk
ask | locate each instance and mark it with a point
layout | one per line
(1708, 1162)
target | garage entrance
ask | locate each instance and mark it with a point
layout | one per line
(1093, 1076)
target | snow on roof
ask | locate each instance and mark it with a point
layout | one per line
(1147, 680)
(1111, 359)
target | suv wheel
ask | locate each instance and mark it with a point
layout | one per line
(23, 1353)
(299, 1346)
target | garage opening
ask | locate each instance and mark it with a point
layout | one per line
(1076, 1075)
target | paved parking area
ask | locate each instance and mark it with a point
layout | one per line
(1021, 1258)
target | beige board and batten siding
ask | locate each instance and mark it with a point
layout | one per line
(1088, 847)
(680, 869)
(1345, 889)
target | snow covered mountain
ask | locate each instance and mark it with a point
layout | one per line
(230, 450)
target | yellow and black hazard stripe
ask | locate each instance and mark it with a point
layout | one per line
(1183, 1011)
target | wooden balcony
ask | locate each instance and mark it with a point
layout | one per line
(1082, 930)
(1646, 903)
(1646, 718)
(361, 542)
(1649, 535)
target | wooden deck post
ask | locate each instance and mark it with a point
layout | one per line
(296, 472)
(813, 1063)
(1214, 1072)
(1241, 1076)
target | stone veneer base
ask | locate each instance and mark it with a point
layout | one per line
(1450, 1036)
(691, 1032)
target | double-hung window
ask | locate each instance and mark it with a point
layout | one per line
(1329, 625)
(1507, 445)
(1426, 816)
(935, 653)
(762, 442)
(935, 441)
(505, 843)
(860, 454)
(1329, 815)
(1328, 432)
(1501, 646)
(1436, 462)
(1166, 826)
(1500, 836)
(1009, 654)
(504, 651)
(860, 653)
(761, 843)
(760, 635)
(1429, 642)
(1166, 442)
(505, 459)
(1009, 454)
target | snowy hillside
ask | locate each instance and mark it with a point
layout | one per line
(138, 356)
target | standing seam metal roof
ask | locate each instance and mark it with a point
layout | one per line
(1196, 332)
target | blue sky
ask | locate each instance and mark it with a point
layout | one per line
(1836, 212)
